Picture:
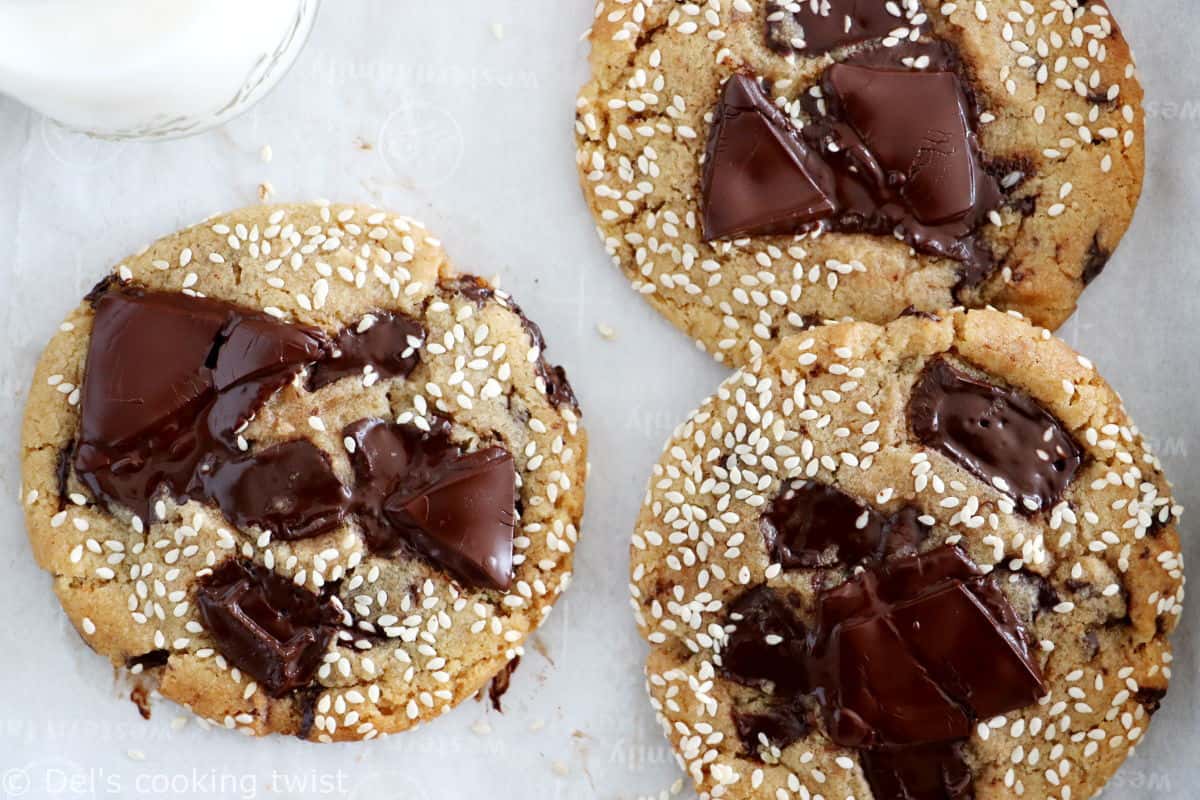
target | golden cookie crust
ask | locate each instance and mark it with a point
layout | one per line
(830, 405)
(1063, 105)
(129, 593)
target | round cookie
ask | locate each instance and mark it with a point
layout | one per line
(756, 167)
(919, 560)
(294, 468)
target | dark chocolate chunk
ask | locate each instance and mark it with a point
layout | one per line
(905, 658)
(265, 625)
(419, 489)
(172, 379)
(388, 344)
(922, 149)
(1150, 699)
(1000, 434)
(150, 660)
(464, 519)
(814, 525)
(289, 489)
(778, 725)
(472, 287)
(905, 157)
(306, 703)
(1095, 262)
(814, 28)
(767, 642)
(500, 683)
(759, 175)
(169, 381)
(62, 473)
(914, 651)
(102, 287)
(926, 772)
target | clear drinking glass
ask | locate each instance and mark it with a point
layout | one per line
(147, 69)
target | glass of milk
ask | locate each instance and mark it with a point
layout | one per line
(147, 69)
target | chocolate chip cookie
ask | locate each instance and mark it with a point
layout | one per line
(932, 560)
(759, 166)
(303, 474)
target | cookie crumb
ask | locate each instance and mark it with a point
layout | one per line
(606, 332)
(266, 154)
(560, 769)
(498, 30)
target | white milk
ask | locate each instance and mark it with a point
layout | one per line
(147, 68)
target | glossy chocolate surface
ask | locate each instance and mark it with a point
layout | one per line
(887, 150)
(418, 488)
(265, 625)
(998, 433)
(906, 656)
(815, 525)
(759, 175)
(171, 380)
(386, 345)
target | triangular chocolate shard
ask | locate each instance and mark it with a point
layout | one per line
(145, 362)
(759, 176)
(465, 520)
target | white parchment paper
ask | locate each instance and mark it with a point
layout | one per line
(421, 107)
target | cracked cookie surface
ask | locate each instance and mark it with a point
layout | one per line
(282, 577)
(1053, 99)
(957, 508)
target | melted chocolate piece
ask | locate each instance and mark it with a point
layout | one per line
(419, 489)
(170, 379)
(306, 702)
(1150, 699)
(767, 642)
(814, 525)
(906, 657)
(389, 346)
(500, 683)
(150, 660)
(759, 176)
(100, 289)
(289, 489)
(265, 625)
(139, 695)
(1095, 262)
(62, 473)
(1000, 434)
(890, 151)
(780, 725)
(914, 651)
(927, 772)
(905, 155)
(816, 28)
